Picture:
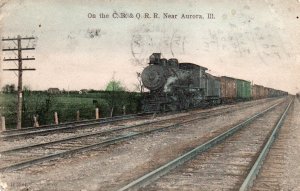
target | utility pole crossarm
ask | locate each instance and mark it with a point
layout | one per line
(17, 38)
(15, 69)
(17, 59)
(14, 49)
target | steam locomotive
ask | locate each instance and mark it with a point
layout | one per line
(177, 86)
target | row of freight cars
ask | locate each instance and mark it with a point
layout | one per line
(177, 86)
(232, 89)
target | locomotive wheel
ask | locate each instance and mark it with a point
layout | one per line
(184, 102)
(173, 107)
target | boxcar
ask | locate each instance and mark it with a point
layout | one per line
(257, 91)
(228, 89)
(265, 92)
(254, 92)
(212, 88)
(243, 89)
(271, 92)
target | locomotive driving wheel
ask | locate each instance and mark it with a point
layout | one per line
(183, 100)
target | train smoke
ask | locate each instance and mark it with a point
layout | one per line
(170, 81)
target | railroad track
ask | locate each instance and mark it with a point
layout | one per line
(22, 157)
(69, 126)
(279, 170)
(229, 161)
(85, 124)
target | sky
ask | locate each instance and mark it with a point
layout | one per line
(255, 40)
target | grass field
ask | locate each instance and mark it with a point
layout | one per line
(66, 105)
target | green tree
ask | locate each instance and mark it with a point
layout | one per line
(114, 85)
(115, 89)
(9, 88)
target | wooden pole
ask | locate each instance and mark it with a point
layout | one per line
(36, 123)
(20, 84)
(3, 128)
(112, 112)
(97, 113)
(124, 110)
(78, 115)
(56, 118)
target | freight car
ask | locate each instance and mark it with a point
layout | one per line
(177, 86)
(233, 89)
(258, 92)
(243, 90)
(228, 89)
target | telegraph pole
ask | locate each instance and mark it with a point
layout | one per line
(20, 70)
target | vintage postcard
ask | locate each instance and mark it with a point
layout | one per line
(149, 95)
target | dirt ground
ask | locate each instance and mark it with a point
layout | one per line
(224, 166)
(113, 167)
(281, 169)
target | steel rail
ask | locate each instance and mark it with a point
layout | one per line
(42, 131)
(28, 163)
(83, 125)
(259, 161)
(155, 174)
(67, 123)
(14, 132)
(113, 130)
(80, 136)
(111, 141)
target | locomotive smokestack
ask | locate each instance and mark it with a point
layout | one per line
(155, 58)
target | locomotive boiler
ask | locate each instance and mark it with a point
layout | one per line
(177, 86)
